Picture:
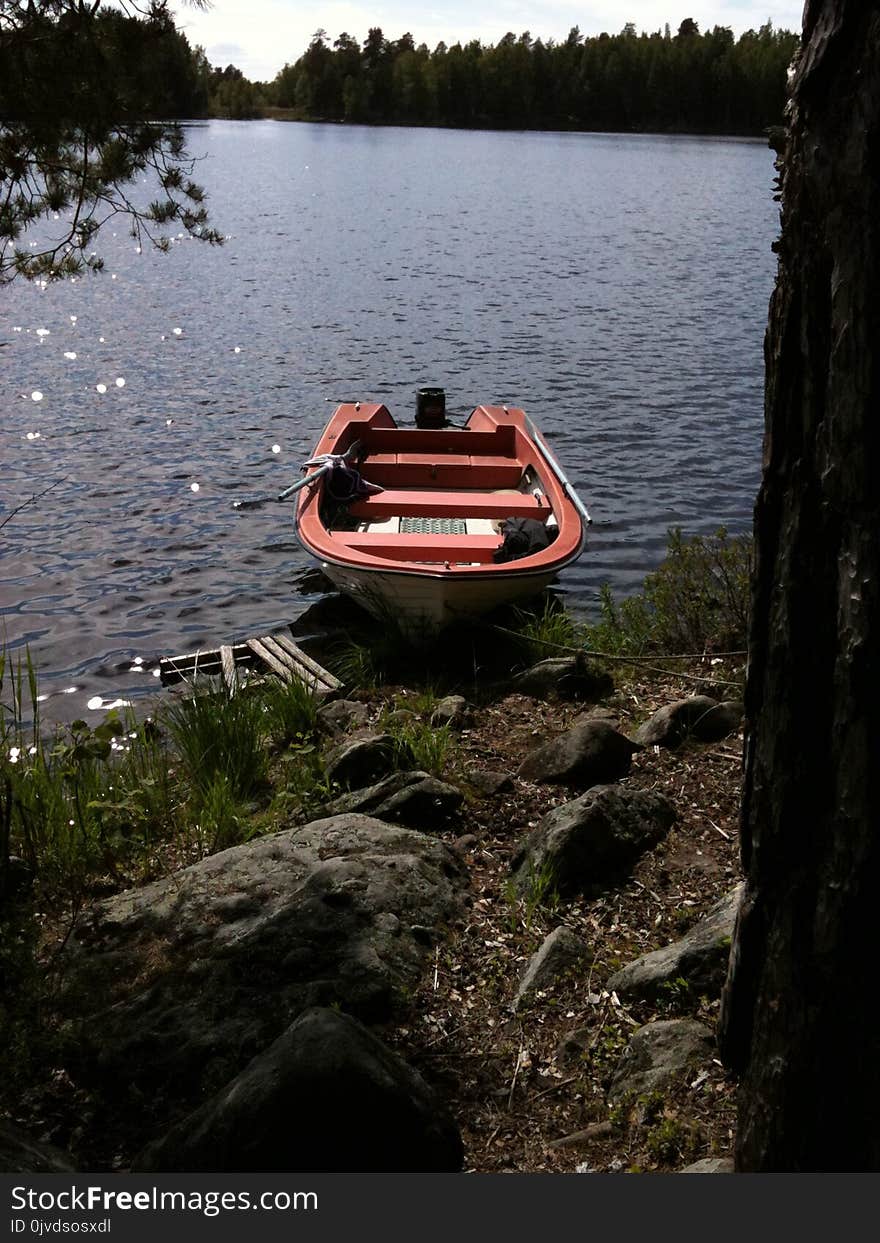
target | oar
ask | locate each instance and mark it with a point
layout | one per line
(301, 483)
(351, 451)
(260, 501)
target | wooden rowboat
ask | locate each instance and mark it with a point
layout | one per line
(433, 524)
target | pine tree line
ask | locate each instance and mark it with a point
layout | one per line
(692, 82)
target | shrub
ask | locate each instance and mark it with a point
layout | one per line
(672, 1141)
(697, 601)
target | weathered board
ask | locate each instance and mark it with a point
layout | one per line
(276, 655)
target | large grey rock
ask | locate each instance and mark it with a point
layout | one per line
(181, 982)
(561, 954)
(700, 958)
(585, 843)
(696, 717)
(660, 1056)
(21, 1154)
(415, 799)
(327, 1096)
(566, 677)
(360, 762)
(590, 753)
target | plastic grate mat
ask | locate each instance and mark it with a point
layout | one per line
(433, 526)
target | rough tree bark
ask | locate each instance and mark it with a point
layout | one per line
(799, 1011)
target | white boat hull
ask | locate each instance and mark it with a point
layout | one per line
(420, 606)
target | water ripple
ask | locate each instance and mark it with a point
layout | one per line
(620, 296)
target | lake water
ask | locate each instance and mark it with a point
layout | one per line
(614, 286)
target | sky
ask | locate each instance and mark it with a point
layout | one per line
(261, 36)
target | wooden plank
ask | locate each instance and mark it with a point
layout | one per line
(282, 656)
(180, 668)
(324, 676)
(259, 649)
(299, 672)
(227, 660)
(279, 653)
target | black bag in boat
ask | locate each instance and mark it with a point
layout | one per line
(522, 537)
(345, 483)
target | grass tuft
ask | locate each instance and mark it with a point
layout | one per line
(548, 633)
(216, 735)
(426, 746)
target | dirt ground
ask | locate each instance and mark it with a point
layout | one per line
(524, 1103)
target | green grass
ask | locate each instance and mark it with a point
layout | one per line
(424, 746)
(54, 792)
(535, 890)
(223, 819)
(84, 801)
(217, 735)
(291, 711)
(362, 666)
(97, 802)
(421, 700)
(550, 632)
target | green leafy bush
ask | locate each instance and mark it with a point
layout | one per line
(697, 601)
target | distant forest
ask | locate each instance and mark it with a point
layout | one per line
(688, 81)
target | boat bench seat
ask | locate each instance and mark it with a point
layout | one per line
(454, 549)
(453, 470)
(438, 442)
(403, 503)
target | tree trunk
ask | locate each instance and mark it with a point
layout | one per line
(798, 1015)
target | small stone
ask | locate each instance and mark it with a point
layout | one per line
(659, 1056)
(695, 717)
(585, 755)
(488, 781)
(710, 1165)
(562, 954)
(342, 715)
(452, 711)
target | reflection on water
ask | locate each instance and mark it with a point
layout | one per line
(616, 287)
